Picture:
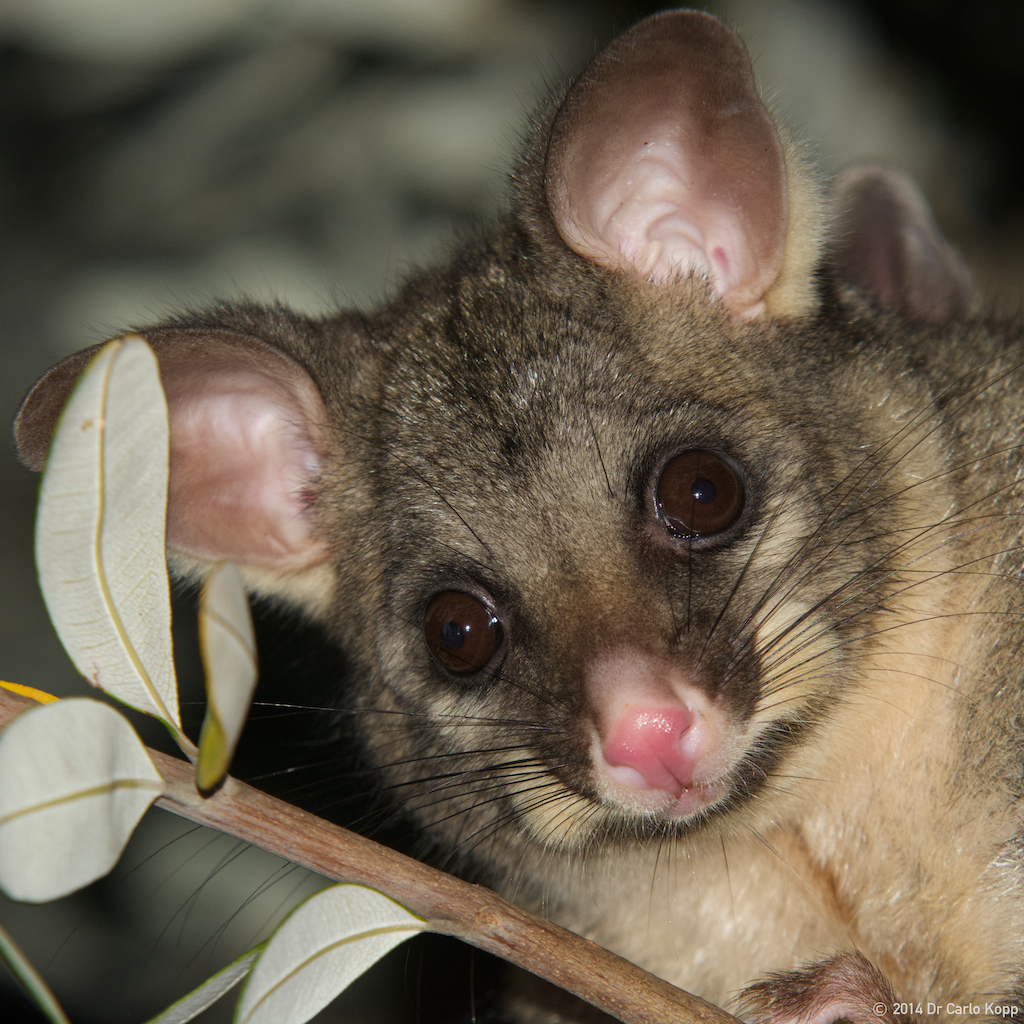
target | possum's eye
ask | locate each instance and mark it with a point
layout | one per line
(461, 632)
(698, 493)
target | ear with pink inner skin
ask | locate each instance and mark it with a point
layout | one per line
(887, 243)
(244, 455)
(246, 446)
(663, 160)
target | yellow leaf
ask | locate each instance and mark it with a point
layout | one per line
(30, 691)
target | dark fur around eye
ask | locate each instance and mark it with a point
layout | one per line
(461, 632)
(698, 494)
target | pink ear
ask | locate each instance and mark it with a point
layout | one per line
(245, 453)
(247, 427)
(887, 243)
(663, 161)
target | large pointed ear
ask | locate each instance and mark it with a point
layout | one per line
(886, 243)
(247, 444)
(663, 162)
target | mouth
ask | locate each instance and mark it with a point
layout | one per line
(675, 797)
(697, 798)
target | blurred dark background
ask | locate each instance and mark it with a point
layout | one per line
(160, 155)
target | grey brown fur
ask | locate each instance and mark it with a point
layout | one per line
(499, 429)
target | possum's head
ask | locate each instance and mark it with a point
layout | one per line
(573, 504)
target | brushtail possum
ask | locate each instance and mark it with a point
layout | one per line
(672, 529)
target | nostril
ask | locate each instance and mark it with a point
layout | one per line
(647, 748)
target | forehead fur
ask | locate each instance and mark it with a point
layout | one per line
(493, 346)
(512, 410)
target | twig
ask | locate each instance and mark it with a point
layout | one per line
(470, 912)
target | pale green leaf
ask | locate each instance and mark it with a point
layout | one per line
(20, 966)
(210, 991)
(320, 949)
(101, 525)
(228, 645)
(76, 782)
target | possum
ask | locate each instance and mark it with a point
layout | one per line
(672, 532)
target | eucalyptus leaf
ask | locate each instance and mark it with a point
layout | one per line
(210, 991)
(100, 530)
(227, 641)
(76, 782)
(20, 966)
(319, 950)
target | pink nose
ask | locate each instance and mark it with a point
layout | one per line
(653, 742)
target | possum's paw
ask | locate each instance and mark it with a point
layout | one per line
(845, 987)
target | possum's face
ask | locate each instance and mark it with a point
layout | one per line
(610, 603)
(575, 503)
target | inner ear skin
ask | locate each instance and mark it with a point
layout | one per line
(246, 446)
(249, 494)
(662, 160)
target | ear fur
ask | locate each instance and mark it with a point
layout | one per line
(662, 161)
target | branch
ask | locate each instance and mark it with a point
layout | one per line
(450, 906)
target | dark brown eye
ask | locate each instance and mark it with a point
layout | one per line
(461, 632)
(698, 493)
